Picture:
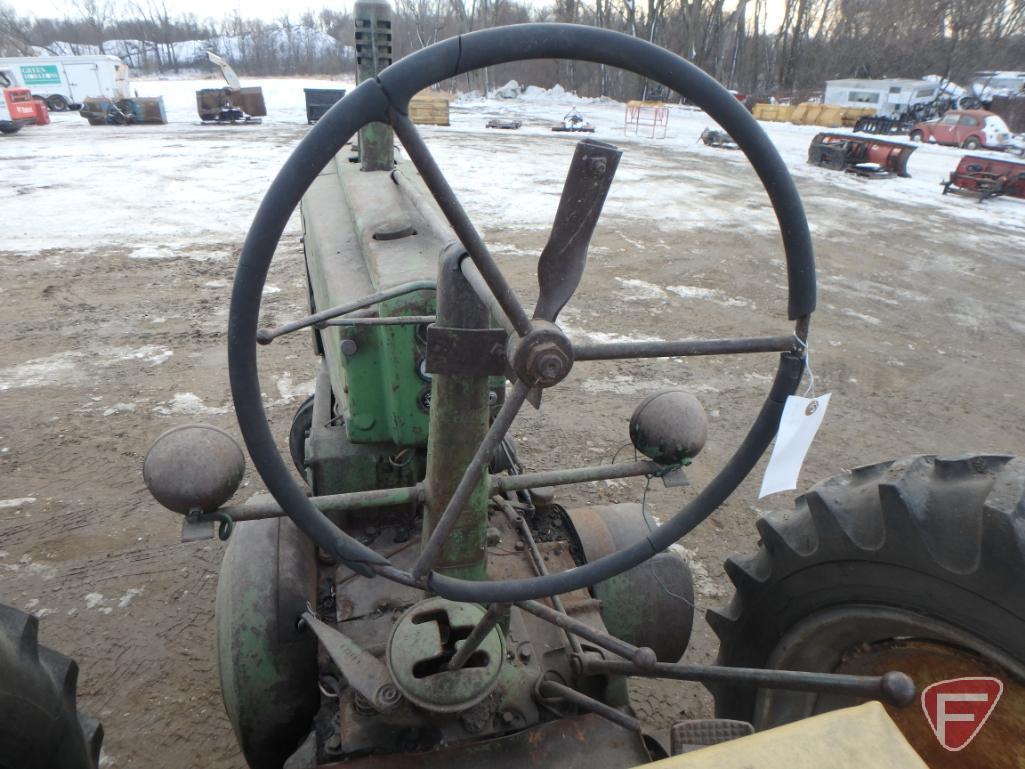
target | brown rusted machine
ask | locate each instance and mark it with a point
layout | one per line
(987, 177)
(867, 157)
(710, 137)
(232, 103)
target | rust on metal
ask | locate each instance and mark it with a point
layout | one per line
(865, 156)
(987, 177)
(998, 745)
(587, 741)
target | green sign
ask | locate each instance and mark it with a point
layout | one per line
(40, 74)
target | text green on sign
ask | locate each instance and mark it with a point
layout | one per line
(40, 74)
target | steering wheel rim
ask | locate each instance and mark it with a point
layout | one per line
(373, 101)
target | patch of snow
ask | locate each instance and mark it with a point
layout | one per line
(623, 384)
(72, 367)
(510, 90)
(60, 368)
(152, 252)
(126, 599)
(150, 353)
(693, 292)
(119, 408)
(16, 502)
(290, 392)
(711, 294)
(187, 403)
(92, 600)
(641, 289)
(860, 316)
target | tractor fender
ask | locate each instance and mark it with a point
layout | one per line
(267, 664)
(664, 619)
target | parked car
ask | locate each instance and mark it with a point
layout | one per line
(971, 128)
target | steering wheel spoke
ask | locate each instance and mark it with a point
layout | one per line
(460, 222)
(682, 348)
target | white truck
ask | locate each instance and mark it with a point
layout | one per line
(63, 82)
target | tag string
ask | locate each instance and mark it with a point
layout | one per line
(810, 390)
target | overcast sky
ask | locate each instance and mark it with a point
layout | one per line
(265, 9)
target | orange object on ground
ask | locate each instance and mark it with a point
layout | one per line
(20, 104)
(42, 114)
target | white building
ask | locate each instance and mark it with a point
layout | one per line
(888, 97)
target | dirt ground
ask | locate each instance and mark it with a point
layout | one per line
(918, 337)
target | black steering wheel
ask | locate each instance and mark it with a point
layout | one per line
(386, 99)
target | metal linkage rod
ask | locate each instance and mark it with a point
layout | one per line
(894, 687)
(502, 484)
(394, 320)
(268, 335)
(683, 347)
(506, 415)
(492, 617)
(520, 523)
(457, 217)
(266, 507)
(554, 689)
(641, 656)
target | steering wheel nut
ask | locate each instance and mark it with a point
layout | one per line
(542, 358)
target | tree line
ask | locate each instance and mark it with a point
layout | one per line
(737, 42)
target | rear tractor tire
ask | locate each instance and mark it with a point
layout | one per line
(40, 726)
(914, 565)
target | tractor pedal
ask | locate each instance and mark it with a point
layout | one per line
(685, 736)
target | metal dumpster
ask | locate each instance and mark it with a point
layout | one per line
(319, 101)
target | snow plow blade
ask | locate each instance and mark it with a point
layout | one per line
(868, 157)
(987, 177)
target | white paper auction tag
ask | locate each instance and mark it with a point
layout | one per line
(797, 427)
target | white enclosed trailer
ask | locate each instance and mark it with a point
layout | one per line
(66, 81)
(889, 97)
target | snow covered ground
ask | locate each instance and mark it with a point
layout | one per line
(185, 185)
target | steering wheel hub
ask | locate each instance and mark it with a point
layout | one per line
(542, 358)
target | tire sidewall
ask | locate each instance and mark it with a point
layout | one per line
(841, 583)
